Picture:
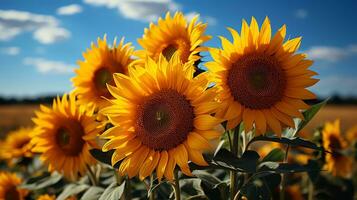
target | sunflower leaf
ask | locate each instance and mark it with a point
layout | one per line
(227, 160)
(93, 193)
(289, 141)
(274, 155)
(113, 191)
(72, 189)
(286, 167)
(310, 113)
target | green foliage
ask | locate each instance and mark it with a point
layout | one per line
(275, 155)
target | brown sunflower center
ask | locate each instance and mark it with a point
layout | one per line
(69, 138)
(101, 77)
(257, 81)
(12, 194)
(164, 120)
(169, 51)
(335, 146)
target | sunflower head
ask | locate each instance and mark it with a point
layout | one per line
(17, 144)
(333, 142)
(64, 134)
(9, 189)
(352, 134)
(162, 117)
(262, 81)
(174, 34)
(97, 68)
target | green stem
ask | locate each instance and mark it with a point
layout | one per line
(152, 194)
(92, 176)
(233, 174)
(282, 183)
(176, 186)
(127, 191)
(311, 190)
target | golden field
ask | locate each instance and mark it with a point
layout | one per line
(13, 116)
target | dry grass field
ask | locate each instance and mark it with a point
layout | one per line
(13, 116)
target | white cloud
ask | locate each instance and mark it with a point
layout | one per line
(49, 35)
(69, 9)
(49, 66)
(141, 10)
(207, 19)
(15, 22)
(331, 53)
(301, 13)
(12, 51)
(342, 85)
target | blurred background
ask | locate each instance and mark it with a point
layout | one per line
(41, 41)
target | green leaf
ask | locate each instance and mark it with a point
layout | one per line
(310, 113)
(227, 160)
(207, 177)
(93, 193)
(72, 189)
(113, 192)
(198, 197)
(261, 186)
(104, 157)
(42, 181)
(282, 168)
(290, 141)
(274, 155)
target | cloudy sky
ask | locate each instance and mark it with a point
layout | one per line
(40, 41)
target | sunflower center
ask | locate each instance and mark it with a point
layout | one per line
(12, 194)
(164, 120)
(101, 77)
(335, 146)
(169, 51)
(69, 138)
(257, 81)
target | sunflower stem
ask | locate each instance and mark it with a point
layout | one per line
(176, 186)
(92, 176)
(152, 194)
(282, 183)
(233, 174)
(311, 190)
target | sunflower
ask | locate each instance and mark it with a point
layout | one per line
(161, 117)
(64, 135)
(46, 197)
(100, 62)
(352, 134)
(174, 35)
(336, 162)
(9, 189)
(17, 144)
(262, 81)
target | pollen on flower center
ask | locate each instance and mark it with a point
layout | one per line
(164, 120)
(257, 81)
(69, 138)
(101, 77)
(12, 194)
(169, 51)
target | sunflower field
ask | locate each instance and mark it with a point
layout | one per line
(160, 122)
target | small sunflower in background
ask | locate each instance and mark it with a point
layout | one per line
(174, 35)
(336, 162)
(46, 197)
(9, 187)
(17, 145)
(97, 69)
(63, 135)
(351, 134)
(162, 117)
(262, 80)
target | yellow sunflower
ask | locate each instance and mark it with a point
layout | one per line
(9, 189)
(46, 197)
(174, 35)
(262, 80)
(17, 144)
(100, 62)
(352, 134)
(64, 135)
(336, 162)
(162, 117)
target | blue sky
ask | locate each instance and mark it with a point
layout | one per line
(40, 41)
